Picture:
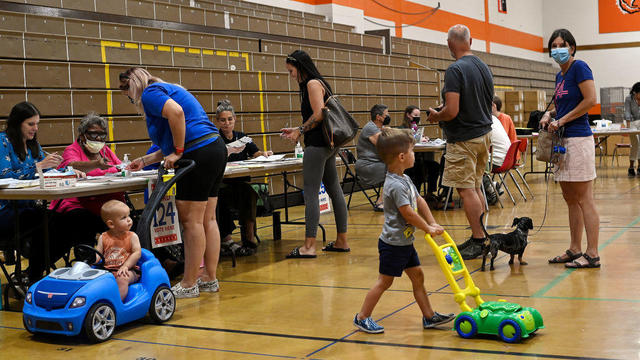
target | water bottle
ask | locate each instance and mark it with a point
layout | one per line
(298, 151)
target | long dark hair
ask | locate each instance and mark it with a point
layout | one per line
(307, 70)
(19, 113)
(635, 89)
(406, 121)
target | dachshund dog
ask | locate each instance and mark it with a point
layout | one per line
(512, 243)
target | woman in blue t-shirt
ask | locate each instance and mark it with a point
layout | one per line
(178, 124)
(575, 94)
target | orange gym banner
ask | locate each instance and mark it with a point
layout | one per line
(618, 15)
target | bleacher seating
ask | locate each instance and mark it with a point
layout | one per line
(69, 65)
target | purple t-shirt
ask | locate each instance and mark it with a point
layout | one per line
(568, 96)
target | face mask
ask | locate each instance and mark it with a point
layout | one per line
(560, 55)
(387, 120)
(416, 119)
(94, 147)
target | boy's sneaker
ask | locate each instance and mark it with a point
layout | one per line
(368, 325)
(471, 248)
(181, 293)
(208, 286)
(437, 319)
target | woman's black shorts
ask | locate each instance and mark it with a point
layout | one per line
(204, 180)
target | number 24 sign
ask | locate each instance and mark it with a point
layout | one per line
(165, 229)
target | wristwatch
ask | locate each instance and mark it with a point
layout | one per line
(301, 129)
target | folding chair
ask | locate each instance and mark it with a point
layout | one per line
(350, 176)
(509, 164)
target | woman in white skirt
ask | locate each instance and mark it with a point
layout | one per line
(575, 94)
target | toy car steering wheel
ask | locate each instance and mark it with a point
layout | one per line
(86, 253)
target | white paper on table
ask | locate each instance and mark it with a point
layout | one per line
(267, 159)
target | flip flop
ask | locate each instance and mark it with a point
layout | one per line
(378, 208)
(591, 263)
(571, 256)
(332, 247)
(295, 254)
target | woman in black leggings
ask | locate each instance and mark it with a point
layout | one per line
(319, 162)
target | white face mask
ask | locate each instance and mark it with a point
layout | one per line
(94, 146)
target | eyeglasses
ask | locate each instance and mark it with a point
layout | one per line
(124, 80)
(96, 135)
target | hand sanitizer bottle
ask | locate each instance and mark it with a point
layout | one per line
(298, 151)
(123, 166)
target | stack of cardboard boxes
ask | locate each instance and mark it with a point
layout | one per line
(520, 104)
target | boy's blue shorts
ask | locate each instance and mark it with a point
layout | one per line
(395, 259)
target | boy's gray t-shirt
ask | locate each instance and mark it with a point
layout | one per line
(366, 149)
(398, 192)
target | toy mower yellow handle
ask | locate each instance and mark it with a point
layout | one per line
(452, 265)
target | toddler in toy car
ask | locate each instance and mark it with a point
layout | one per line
(120, 247)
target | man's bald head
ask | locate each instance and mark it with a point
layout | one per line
(459, 40)
(459, 33)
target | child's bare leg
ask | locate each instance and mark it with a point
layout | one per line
(123, 286)
(419, 292)
(370, 301)
(123, 283)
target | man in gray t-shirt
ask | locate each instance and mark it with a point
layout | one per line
(369, 167)
(398, 191)
(466, 121)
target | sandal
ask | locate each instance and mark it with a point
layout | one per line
(378, 207)
(591, 263)
(571, 256)
(295, 254)
(332, 247)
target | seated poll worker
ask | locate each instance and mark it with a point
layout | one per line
(236, 193)
(90, 155)
(22, 157)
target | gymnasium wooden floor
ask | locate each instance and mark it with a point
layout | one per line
(270, 307)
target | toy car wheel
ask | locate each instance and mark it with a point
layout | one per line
(163, 304)
(510, 331)
(466, 326)
(100, 322)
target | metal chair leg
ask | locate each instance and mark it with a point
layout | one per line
(497, 194)
(447, 200)
(484, 193)
(525, 182)
(517, 186)
(502, 183)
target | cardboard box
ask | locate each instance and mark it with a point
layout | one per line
(513, 96)
(534, 96)
(58, 180)
(531, 106)
(513, 107)
(518, 118)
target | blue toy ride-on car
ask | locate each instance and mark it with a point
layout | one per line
(83, 298)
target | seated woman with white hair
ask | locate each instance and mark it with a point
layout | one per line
(89, 154)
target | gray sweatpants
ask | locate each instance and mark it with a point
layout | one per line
(319, 164)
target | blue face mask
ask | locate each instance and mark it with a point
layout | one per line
(560, 55)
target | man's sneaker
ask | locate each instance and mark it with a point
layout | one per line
(180, 292)
(437, 319)
(631, 172)
(472, 250)
(208, 286)
(368, 325)
(465, 244)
